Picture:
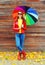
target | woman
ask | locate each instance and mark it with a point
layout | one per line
(19, 27)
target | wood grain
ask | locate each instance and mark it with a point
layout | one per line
(35, 35)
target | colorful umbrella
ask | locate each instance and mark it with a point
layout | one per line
(31, 15)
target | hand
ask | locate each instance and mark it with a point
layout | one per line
(22, 25)
(19, 27)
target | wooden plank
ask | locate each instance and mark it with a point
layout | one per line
(34, 5)
(32, 0)
(36, 30)
(10, 36)
(29, 30)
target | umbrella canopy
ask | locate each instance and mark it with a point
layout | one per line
(31, 15)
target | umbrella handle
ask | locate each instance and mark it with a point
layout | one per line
(24, 16)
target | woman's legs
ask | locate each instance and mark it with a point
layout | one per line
(22, 37)
(17, 38)
(19, 43)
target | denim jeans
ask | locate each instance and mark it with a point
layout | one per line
(20, 40)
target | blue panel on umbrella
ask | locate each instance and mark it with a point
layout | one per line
(31, 10)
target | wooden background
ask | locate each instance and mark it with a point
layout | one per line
(35, 35)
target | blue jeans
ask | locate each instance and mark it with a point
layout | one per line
(20, 40)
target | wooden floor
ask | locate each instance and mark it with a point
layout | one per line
(35, 35)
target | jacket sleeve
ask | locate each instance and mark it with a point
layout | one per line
(15, 27)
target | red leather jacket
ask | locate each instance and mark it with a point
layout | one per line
(16, 27)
